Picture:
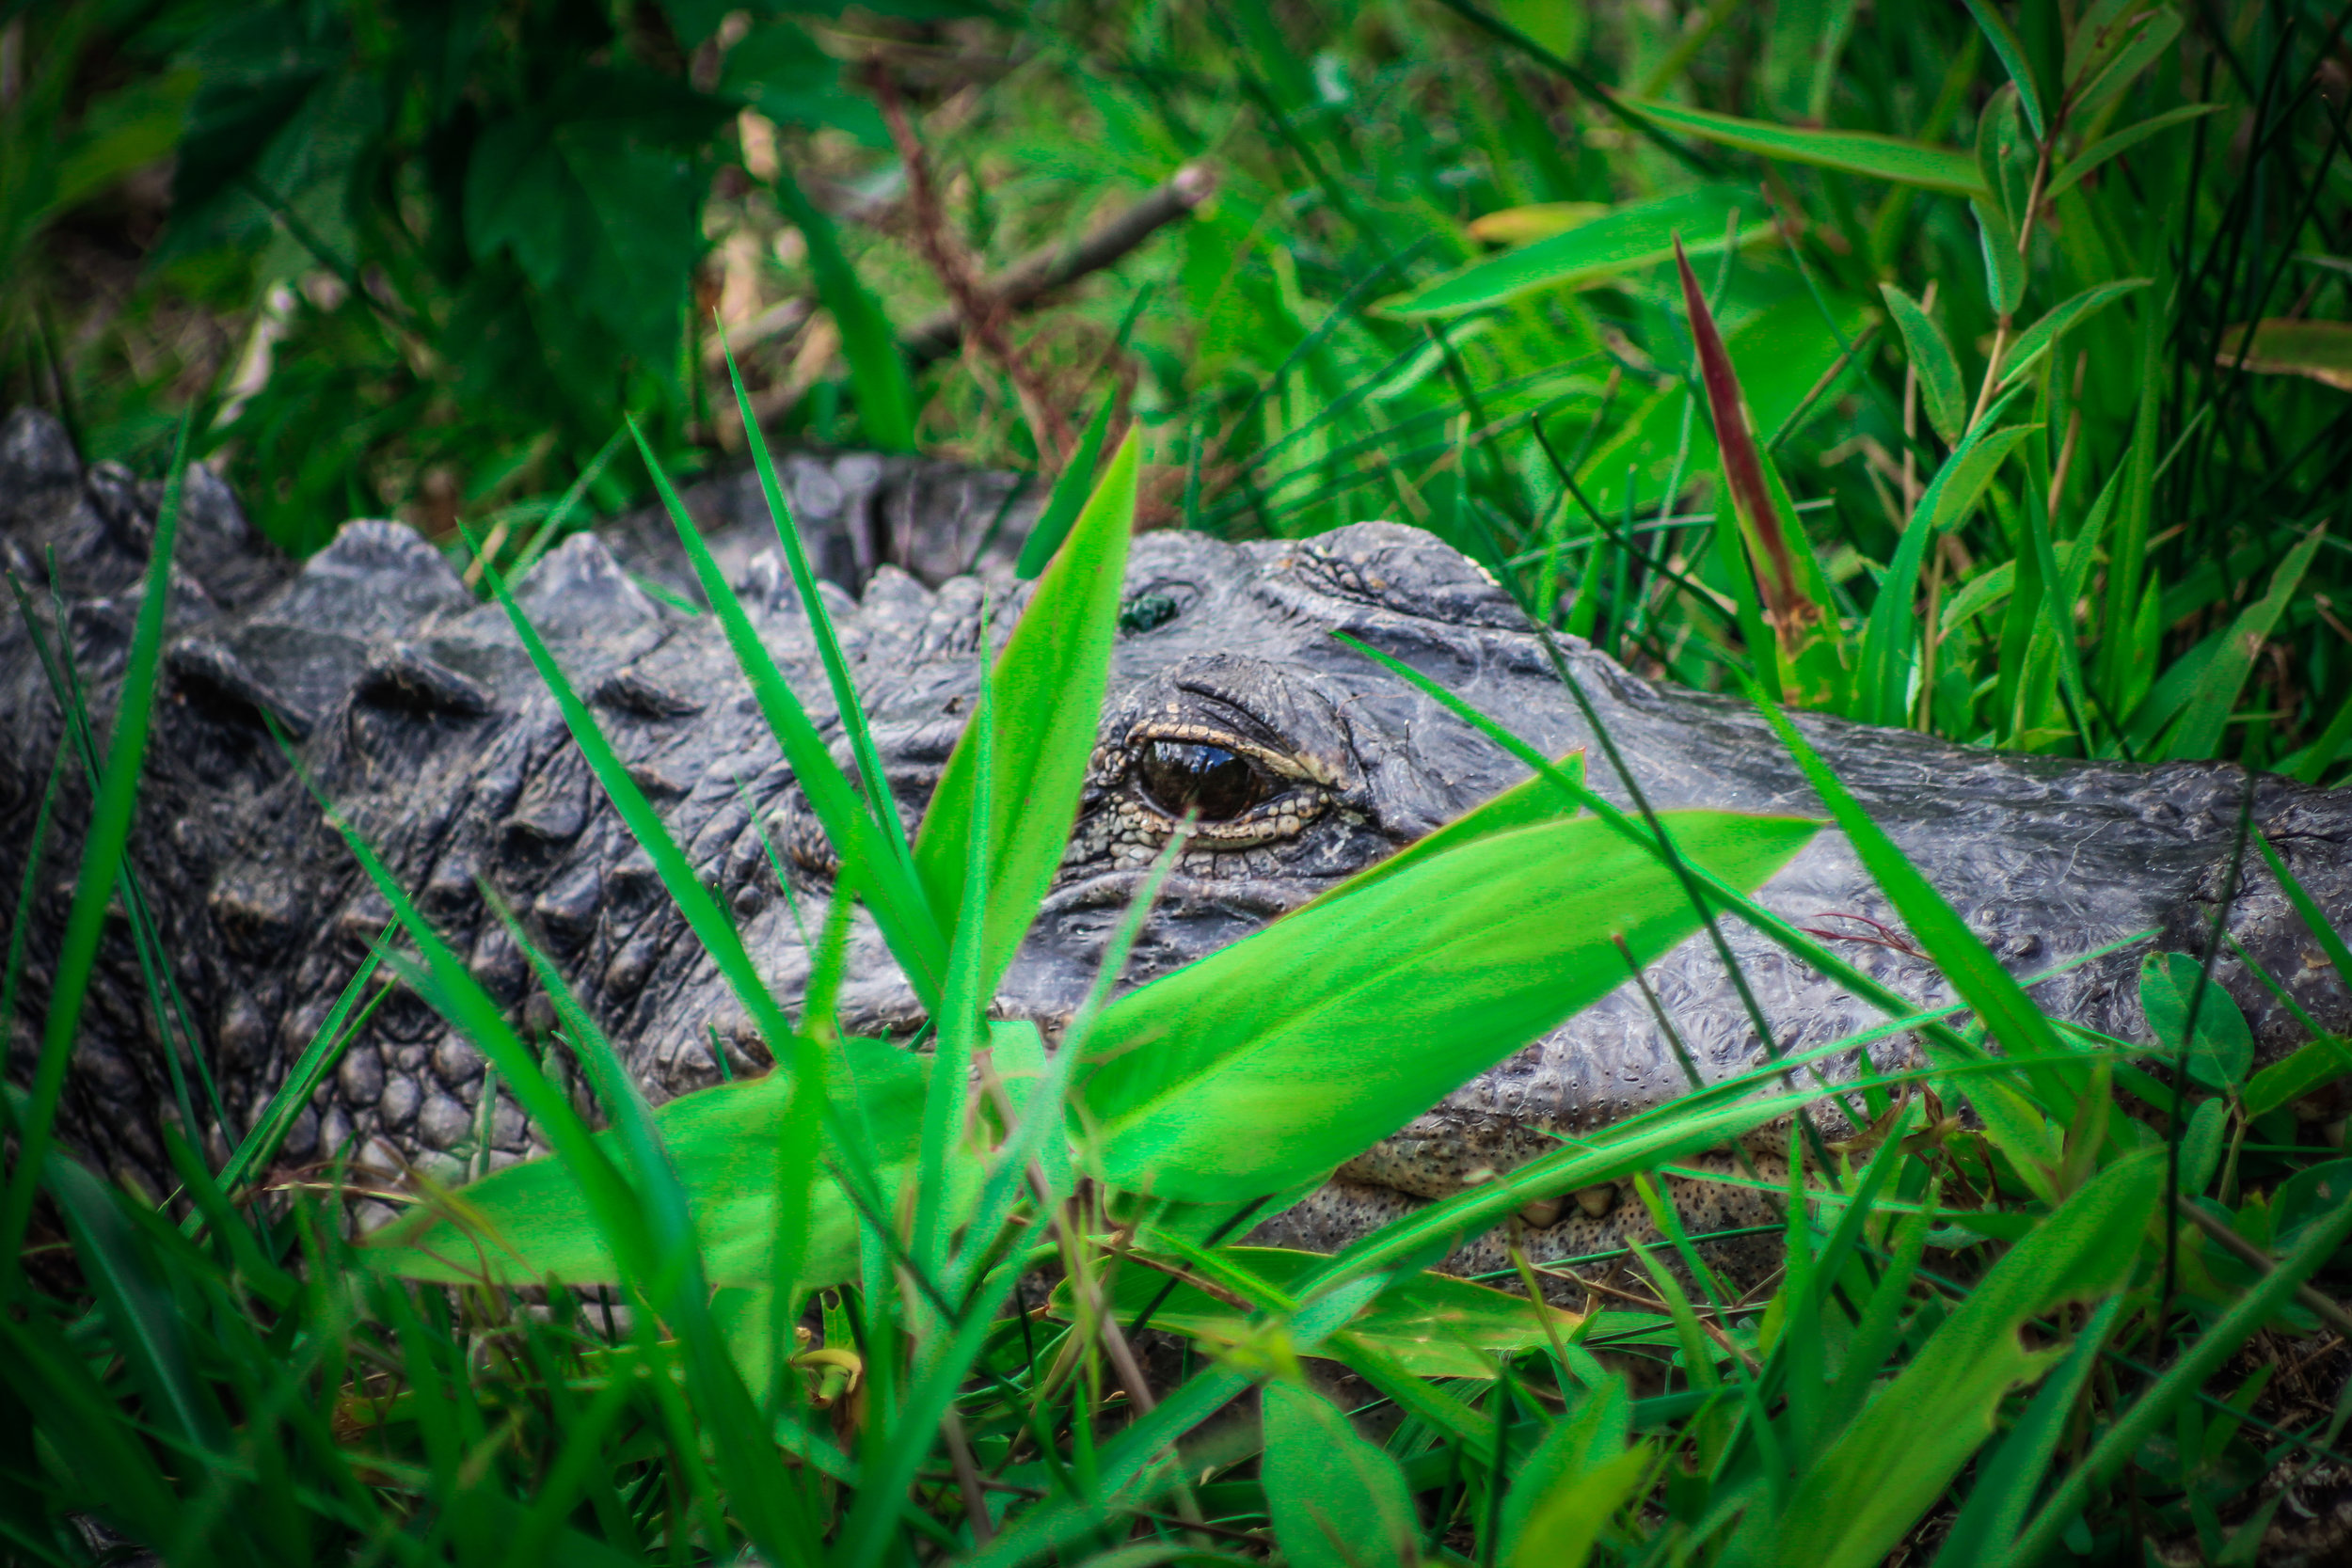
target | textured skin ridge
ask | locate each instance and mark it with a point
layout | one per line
(420, 715)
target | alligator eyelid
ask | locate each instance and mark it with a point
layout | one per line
(1289, 768)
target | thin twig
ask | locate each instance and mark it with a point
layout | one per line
(982, 314)
(1051, 267)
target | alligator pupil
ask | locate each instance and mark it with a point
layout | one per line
(1210, 780)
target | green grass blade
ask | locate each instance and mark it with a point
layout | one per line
(454, 991)
(550, 528)
(1049, 683)
(1940, 1036)
(2331, 941)
(2039, 339)
(946, 1110)
(845, 697)
(939, 1370)
(2057, 631)
(1336, 1500)
(139, 1309)
(2329, 746)
(1068, 496)
(2123, 141)
(1865, 153)
(2006, 44)
(101, 856)
(1884, 686)
(2198, 732)
(759, 1491)
(106, 1454)
(2000, 1003)
(20, 920)
(1854, 1504)
(309, 1069)
(711, 924)
(878, 371)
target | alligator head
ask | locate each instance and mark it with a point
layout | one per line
(1231, 700)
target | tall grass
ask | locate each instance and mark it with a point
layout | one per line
(988, 1303)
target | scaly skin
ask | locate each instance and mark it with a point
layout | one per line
(420, 715)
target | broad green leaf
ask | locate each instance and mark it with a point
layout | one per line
(2007, 156)
(103, 843)
(878, 371)
(1854, 1504)
(2001, 1003)
(1337, 1501)
(2321, 350)
(1290, 1052)
(1630, 237)
(2282, 1083)
(1539, 221)
(1525, 804)
(1864, 153)
(2037, 339)
(2123, 141)
(2223, 1049)
(531, 1221)
(2003, 269)
(2006, 44)
(2120, 58)
(597, 208)
(1932, 359)
(2198, 732)
(1587, 1438)
(1432, 1324)
(1069, 495)
(2009, 1480)
(1563, 1527)
(1049, 685)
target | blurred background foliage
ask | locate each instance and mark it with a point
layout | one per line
(2056, 291)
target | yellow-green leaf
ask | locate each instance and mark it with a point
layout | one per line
(2319, 350)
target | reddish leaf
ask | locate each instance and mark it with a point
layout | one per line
(1784, 599)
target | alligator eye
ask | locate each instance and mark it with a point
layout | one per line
(1210, 780)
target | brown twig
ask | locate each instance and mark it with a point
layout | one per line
(1051, 267)
(981, 313)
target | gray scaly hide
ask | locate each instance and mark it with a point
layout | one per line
(420, 715)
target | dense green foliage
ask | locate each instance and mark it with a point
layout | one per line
(1963, 397)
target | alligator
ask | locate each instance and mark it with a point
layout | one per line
(412, 706)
